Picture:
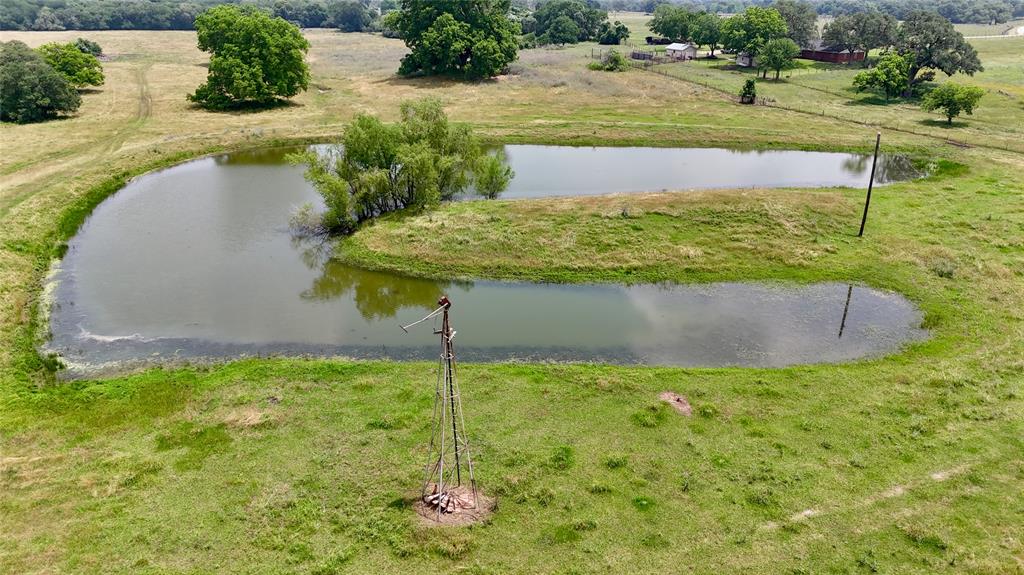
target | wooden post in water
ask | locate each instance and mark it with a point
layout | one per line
(871, 183)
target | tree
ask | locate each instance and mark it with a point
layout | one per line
(563, 31)
(349, 16)
(415, 164)
(705, 30)
(952, 99)
(888, 77)
(88, 46)
(78, 68)
(587, 19)
(612, 34)
(672, 22)
(749, 30)
(930, 41)
(777, 54)
(469, 39)
(30, 89)
(801, 20)
(863, 31)
(492, 175)
(254, 58)
(47, 19)
(389, 24)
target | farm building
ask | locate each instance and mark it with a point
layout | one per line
(679, 51)
(745, 60)
(835, 56)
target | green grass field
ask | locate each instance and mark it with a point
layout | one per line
(989, 29)
(912, 463)
(826, 89)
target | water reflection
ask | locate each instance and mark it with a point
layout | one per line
(377, 295)
(846, 310)
(890, 168)
(565, 171)
(542, 171)
(259, 156)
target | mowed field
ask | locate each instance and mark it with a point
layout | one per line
(908, 464)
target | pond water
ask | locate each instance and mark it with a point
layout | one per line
(196, 262)
(569, 171)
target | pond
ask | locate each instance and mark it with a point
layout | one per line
(196, 262)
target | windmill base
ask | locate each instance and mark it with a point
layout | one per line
(455, 507)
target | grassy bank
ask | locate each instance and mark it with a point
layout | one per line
(909, 464)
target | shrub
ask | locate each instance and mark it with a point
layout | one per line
(30, 89)
(613, 61)
(79, 68)
(88, 46)
(527, 41)
(749, 91)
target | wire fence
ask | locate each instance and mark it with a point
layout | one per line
(659, 67)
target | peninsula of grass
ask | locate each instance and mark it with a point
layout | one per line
(912, 463)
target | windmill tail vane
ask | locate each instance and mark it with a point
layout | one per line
(448, 483)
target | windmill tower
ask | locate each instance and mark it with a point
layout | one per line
(448, 485)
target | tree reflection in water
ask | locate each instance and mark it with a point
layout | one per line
(377, 295)
(890, 168)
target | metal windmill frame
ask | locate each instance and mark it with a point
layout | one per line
(449, 461)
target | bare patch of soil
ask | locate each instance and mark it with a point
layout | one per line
(678, 402)
(247, 417)
(466, 508)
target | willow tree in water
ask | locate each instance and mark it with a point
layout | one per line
(415, 164)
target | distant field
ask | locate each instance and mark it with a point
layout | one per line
(827, 89)
(637, 24)
(989, 29)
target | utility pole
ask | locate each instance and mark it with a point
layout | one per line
(871, 183)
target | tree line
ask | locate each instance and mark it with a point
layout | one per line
(361, 15)
(346, 15)
(956, 11)
(567, 22)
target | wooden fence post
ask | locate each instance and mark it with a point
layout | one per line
(871, 183)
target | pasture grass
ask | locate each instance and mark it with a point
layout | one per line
(823, 89)
(910, 464)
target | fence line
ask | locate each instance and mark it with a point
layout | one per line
(649, 66)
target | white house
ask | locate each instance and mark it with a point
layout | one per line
(679, 51)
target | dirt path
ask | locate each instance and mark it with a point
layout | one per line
(46, 169)
(144, 110)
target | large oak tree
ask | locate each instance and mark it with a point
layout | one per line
(468, 38)
(255, 59)
(931, 42)
(749, 30)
